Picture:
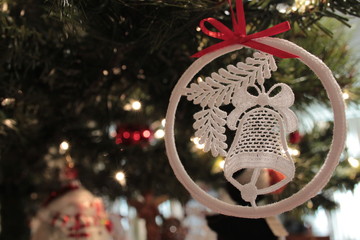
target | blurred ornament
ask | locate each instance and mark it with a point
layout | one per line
(147, 208)
(133, 134)
(195, 222)
(172, 230)
(295, 137)
(73, 213)
(276, 177)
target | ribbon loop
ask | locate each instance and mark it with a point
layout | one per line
(239, 36)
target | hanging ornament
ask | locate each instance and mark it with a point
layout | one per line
(261, 117)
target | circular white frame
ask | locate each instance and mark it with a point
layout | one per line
(313, 187)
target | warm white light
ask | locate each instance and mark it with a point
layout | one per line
(7, 101)
(198, 29)
(127, 107)
(64, 145)
(163, 122)
(345, 95)
(136, 105)
(199, 80)
(5, 7)
(116, 70)
(222, 164)
(105, 72)
(9, 123)
(197, 143)
(120, 177)
(294, 152)
(282, 7)
(353, 162)
(160, 133)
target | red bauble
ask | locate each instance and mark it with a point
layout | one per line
(295, 137)
(131, 134)
(276, 177)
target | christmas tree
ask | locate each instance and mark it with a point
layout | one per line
(97, 75)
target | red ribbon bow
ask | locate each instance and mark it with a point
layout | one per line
(238, 36)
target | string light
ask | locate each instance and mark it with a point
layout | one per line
(126, 135)
(5, 7)
(146, 133)
(197, 143)
(121, 178)
(219, 165)
(302, 5)
(353, 162)
(136, 136)
(294, 152)
(7, 101)
(160, 133)
(222, 164)
(116, 70)
(282, 7)
(345, 95)
(163, 122)
(105, 72)
(64, 146)
(127, 107)
(136, 105)
(9, 123)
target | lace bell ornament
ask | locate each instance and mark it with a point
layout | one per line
(261, 117)
(260, 141)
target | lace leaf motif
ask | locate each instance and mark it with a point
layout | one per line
(209, 125)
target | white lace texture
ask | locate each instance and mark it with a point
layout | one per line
(261, 119)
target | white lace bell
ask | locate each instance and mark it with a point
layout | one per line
(259, 143)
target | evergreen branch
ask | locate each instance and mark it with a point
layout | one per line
(219, 88)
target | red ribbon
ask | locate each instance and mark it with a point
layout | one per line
(239, 36)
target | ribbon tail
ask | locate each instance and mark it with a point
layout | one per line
(240, 16)
(212, 48)
(274, 30)
(268, 49)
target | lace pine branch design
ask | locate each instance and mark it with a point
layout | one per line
(218, 90)
(209, 125)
